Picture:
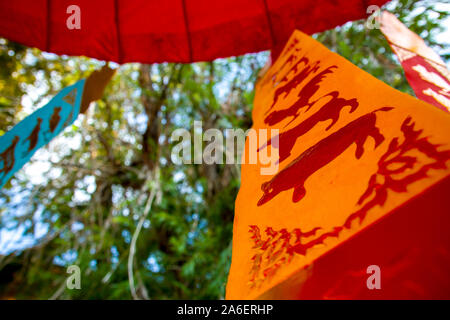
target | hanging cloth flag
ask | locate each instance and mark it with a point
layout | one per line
(154, 31)
(425, 70)
(362, 187)
(18, 145)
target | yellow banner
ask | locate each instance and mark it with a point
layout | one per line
(351, 149)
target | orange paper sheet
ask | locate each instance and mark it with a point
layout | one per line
(353, 155)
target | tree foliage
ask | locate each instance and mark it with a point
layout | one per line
(110, 200)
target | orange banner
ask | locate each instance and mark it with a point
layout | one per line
(353, 154)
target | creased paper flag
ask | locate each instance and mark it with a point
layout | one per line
(425, 70)
(363, 183)
(18, 145)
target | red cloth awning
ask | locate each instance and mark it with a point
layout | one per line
(153, 31)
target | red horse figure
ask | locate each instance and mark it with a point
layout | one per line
(299, 170)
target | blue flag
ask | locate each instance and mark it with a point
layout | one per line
(19, 144)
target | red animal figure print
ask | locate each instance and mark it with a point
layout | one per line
(292, 45)
(294, 68)
(296, 80)
(276, 249)
(68, 120)
(278, 73)
(8, 158)
(71, 97)
(329, 111)
(304, 96)
(276, 52)
(294, 175)
(34, 135)
(55, 118)
(290, 60)
(395, 161)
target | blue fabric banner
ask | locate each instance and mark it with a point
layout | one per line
(19, 144)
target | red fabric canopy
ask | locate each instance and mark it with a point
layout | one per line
(153, 31)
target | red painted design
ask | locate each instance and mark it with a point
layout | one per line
(288, 63)
(34, 135)
(421, 85)
(329, 111)
(291, 46)
(275, 249)
(68, 120)
(294, 175)
(55, 118)
(71, 97)
(395, 161)
(278, 49)
(7, 156)
(304, 96)
(290, 60)
(285, 89)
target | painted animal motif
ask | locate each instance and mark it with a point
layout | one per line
(55, 118)
(305, 96)
(34, 135)
(71, 97)
(289, 63)
(294, 82)
(7, 156)
(329, 111)
(299, 170)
